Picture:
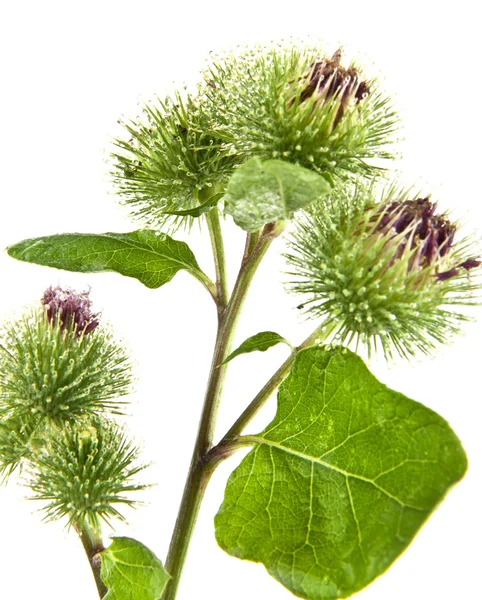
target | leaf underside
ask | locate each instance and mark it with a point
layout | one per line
(339, 483)
(146, 255)
(257, 343)
(261, 192)
(131, 571)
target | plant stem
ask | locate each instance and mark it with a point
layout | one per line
(201, 468)
(215, 233)
(93, 545)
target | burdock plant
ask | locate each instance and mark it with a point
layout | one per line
(287, 141)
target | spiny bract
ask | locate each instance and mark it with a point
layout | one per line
(19, 439)
(383, 269)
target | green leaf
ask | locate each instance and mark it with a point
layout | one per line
(152, 258)
(259, 342)
(339, 483)
(197, 211)
(260, 192)
(131, 571)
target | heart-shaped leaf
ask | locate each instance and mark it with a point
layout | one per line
(339, 483)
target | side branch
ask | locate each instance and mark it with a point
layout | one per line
(267, 390)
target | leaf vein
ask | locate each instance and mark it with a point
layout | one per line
(260, 440)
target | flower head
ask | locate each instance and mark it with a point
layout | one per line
(431, 233)
(386, 272)
(52, 370)
(84, 472)
(293, 103)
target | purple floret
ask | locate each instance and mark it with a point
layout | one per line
(71, 309)
(431, 234)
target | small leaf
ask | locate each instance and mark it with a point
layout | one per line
(150, 257)
(260, 192)
(339, 483)
(197, 211)
(131, 571)
(259, 342)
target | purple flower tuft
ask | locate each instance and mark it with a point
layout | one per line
(431, 234)
(71, 309)
(327, 79)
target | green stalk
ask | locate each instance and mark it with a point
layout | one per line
(202, 465)
(215, 233)
(92, 543)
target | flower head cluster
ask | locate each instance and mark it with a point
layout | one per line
(386, 272)
(56, 364)
(84, 472)
(287, 102)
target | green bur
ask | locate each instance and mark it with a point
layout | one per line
(339, 483)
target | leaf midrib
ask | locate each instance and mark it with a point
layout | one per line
(258, 440)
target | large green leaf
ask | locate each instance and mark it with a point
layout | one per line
(258, 343)
(152, 258)
(260, 192)
(131, 571)
(341, 480)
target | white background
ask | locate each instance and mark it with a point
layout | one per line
(69, 71)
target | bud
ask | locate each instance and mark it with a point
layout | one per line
(388, 273)
(169, 160)
(84, 472)
(57, 364)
